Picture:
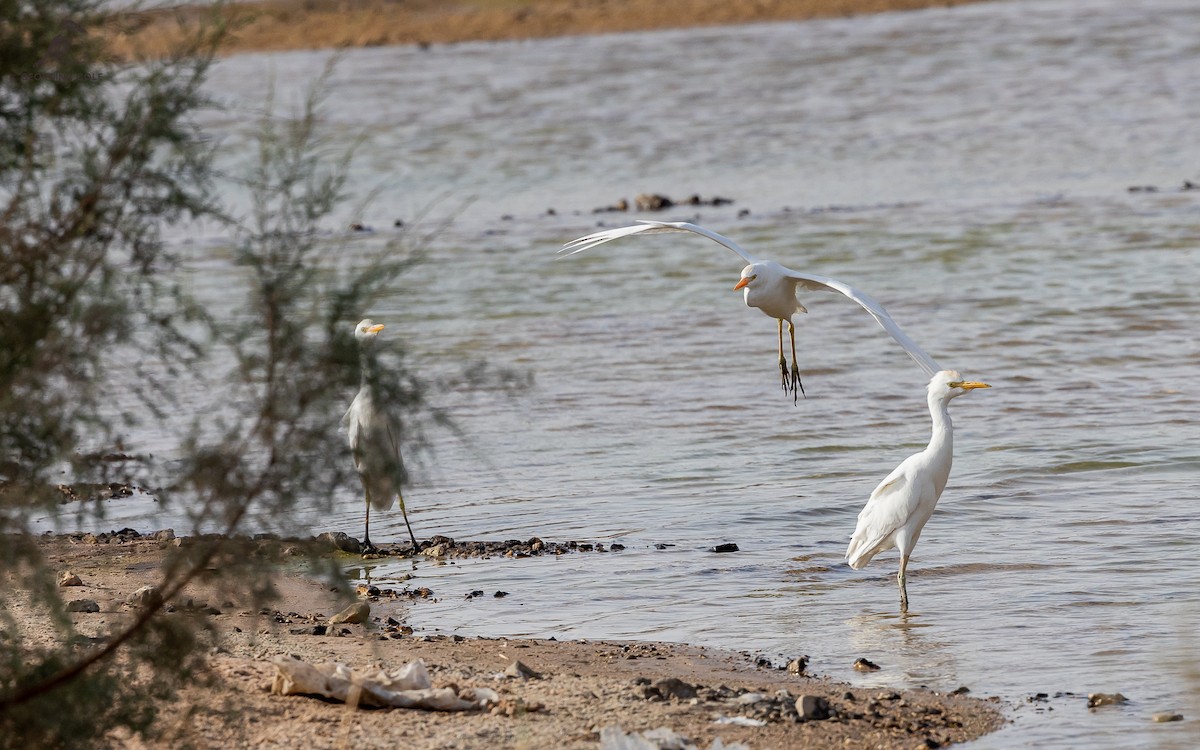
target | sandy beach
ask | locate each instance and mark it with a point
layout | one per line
(274, 25)
(580, 689)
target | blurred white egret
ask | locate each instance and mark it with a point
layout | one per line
(899, 507)
(771, 288)
(374, 435)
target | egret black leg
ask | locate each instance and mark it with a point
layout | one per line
(795, 380)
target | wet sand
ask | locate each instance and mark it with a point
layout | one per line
(583, 688)
(274, 25)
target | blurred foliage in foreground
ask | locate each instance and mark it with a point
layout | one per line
(98, 334)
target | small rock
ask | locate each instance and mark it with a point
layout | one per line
(437, 550)
(475, 594)
(518, 670)
(356, 613)
(146, 596)
(812, 707)
(1165, 716)
(340, 540)
(1105, 699)
(720, 548)
(83, 605)
(866, 665)
(797, 666)
(960, 690)
(500, 594)
(314, 630)
(652, 202)
(673, 687)
(165, 535)
(748, 699)
(69, 579)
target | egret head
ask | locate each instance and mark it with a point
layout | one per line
(750, 277)
(366, 331)
(949, 384)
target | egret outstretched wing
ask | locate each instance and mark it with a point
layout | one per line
(651, 227)
(877, 311)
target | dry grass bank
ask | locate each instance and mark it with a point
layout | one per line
(263, 25)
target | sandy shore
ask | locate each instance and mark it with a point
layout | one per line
(583, 686)
(263, 25)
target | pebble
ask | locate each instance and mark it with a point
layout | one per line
(69, 579)
(797, 666)
(866, 665)
(812, 707)
(673, 687)
(340, 540)
(1105, 699)
(518, 670)
(83, 605)
(356, 613)
(1165, 716)
(722, 548)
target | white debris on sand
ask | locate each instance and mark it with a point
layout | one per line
(613, 738)
(406, 687)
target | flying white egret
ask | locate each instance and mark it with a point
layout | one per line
(771, 288)
(899, 507)
(374, 435)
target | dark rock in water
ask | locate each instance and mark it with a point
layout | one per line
(652, 202)
(812, 707)
(500, 594)
(475, 594)
(340, 540)
(619, 206)
(617, 547)
(866, 665)
(730, 547)
(673, 687)
(797, 666)
(961, 690)
(1105, 699)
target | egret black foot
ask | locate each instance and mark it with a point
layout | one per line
(783, 375)
(797, 385)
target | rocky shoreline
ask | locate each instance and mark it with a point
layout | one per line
(562, 694)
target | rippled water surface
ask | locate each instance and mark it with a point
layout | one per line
(968, 167)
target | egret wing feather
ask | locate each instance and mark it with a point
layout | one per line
(371, 433)
(877, 311)
(886, 511)
(652, 227)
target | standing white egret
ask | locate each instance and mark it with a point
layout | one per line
(374, 435)
(771, 288)
(899, 507)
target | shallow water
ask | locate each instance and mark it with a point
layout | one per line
(969, 168)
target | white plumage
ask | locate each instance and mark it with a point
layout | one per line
(900, 506)
(772, 289)
(374, 436)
